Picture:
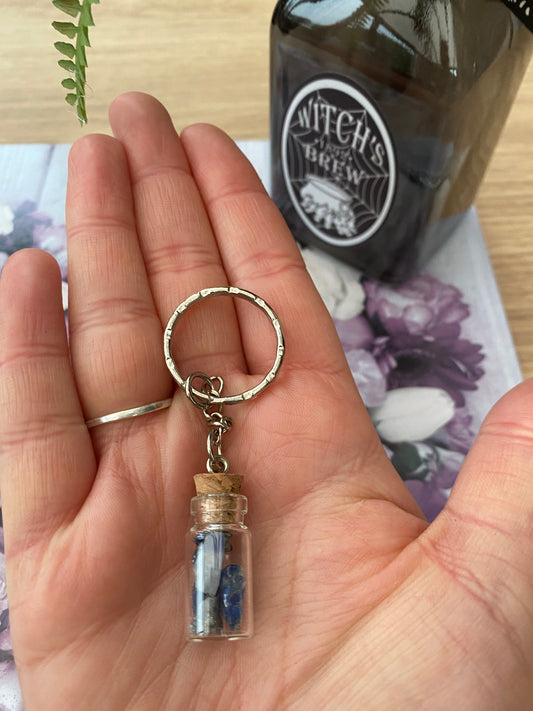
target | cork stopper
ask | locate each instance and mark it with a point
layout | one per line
(223, 503)
(218, 483)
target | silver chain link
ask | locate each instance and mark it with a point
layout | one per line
(217, 422)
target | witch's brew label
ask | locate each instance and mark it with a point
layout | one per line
(338, 161)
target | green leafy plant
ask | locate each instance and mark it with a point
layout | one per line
(74, 53)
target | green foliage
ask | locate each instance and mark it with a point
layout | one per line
(76, 64)
(406, 460)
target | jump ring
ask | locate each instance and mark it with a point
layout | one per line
(202, 397)
(217, 465)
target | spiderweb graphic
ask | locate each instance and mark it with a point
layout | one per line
(336, 157)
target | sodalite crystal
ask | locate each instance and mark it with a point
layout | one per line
(207, 560)
(232, 585)
(207, 618)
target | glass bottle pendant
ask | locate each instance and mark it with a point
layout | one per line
(219, 600)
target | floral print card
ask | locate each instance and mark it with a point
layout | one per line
(430, 357)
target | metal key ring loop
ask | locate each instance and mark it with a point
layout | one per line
(242, 294)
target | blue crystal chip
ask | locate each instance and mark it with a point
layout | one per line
(232, 586)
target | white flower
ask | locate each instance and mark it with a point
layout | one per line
(337, 283)
(52, 243)
(412, 414)
(10, 694)
(3, 589)
(6, 220)
(64, 294)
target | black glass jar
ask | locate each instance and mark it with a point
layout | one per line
(384, 115)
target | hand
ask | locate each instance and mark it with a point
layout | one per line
(359, 604)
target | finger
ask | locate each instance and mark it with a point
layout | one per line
(260, 254)
(47, 465)
(177, 241)
(115, 333)
(483, 538)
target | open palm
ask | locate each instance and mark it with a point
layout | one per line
(359, 604)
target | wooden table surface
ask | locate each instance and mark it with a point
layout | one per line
(207, 60)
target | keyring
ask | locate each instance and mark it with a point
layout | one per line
(210, 398)
(219, 602)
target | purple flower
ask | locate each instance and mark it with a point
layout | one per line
(10, 698)
(368, 377)
(52, 238)
(27, 227)
(459, 431)
(418, 327)
(457, 434)
(23, 222)
(354, 333)
(420, 307)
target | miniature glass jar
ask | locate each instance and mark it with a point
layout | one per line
(219, 599)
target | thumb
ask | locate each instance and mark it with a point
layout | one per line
(495, 486)
(484, 535)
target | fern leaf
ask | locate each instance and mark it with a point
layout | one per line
(70, 7)
(67, 64)
(65, 48)
(66, 28)
(77, 57)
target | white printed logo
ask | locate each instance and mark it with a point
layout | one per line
(338, 161)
